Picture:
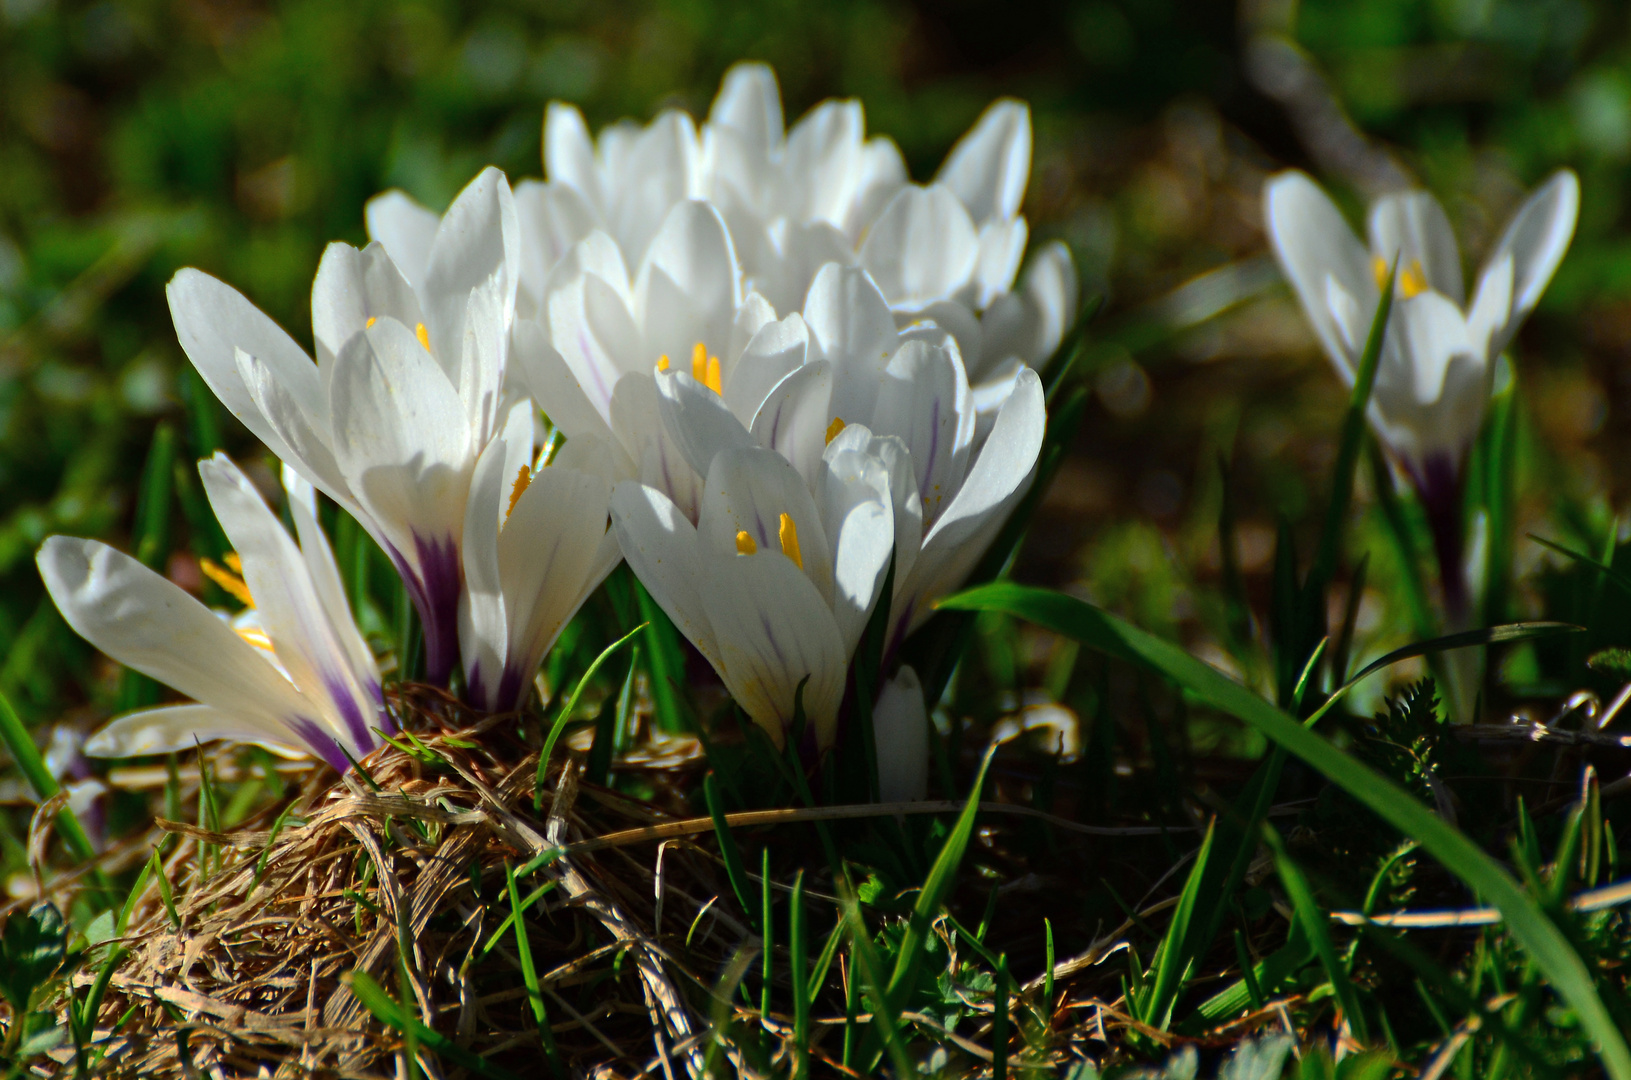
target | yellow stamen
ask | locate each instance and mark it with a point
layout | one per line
(522, 479)
(371, 321)
(745, 544)
(1412, 281)
(230, 583)
(790, 541)
(715, 381)
(662, 362)
(834, 428)
(423, 335)
(699, 362)
(235, 564)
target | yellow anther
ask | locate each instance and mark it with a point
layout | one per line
(715, 380)
(230, 583)
(522, 479)
(235, 564)
(423, 335)
(371, 321)
(1412, 281)
(790, 541)
(834, 428)
(699, 362)
(745, 544)
(662, 362)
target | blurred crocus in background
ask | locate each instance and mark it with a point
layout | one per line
(297, 677)
(1438, 357)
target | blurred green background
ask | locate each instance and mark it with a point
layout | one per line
(137, 136)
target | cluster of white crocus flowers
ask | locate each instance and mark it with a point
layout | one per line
(1435, 372)
(780, 368)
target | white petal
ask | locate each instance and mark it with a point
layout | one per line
(989, 166)
(774, 630)
(552, 218)
(900, 727)
(1052, 295)
(750, 104)
(822, 162)
(664, 166)
(146, 622)
(478, 240)
(325, 575)
(851, 326)
(401, 435)
(689, 288)
(749, 491)
(637, 419)
(569, 155)
(352, 287)
(922, 248)
(697, 420)
(171, 729)
(554, 385)
(313, 650)
(213, 321)
(794, 417)
(924, 400)
(406, 229)
(297, 415)
(1536, 240)
(483, 624)
(1314, 245)
(754, 315)
(882, 174)
(772, 354)
(661, 548)
(906, 506)
(799, 253)
(589, 321)
(997, 480)
(553, 552)
(484, 352)
(854, 497)
(955, 319)
(1412, 227)
(1002, 244)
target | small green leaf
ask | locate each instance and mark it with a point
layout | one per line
(33, 945)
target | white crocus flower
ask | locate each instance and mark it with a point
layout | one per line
(536, 544)
(774, 584)
(841, 375)
(412, 339)
(303, 681)
(1438, 355)
(591, 360)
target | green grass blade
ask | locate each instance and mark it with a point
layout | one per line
(803, 991)
(885, 1017)
(565, 714)
(665, 660)
(1176, 955)
(999, 1021)
(32, 764)
(727, 845)
(1616, 576)
(153, 499)
(1316, 924)
(1405, 547)
(1541, 937)
(529, 973)
(767, 924)
(387, 1011)
(1500, 483)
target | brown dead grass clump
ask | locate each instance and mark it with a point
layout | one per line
(404, 878)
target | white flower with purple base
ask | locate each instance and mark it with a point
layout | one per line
(412, 338)
(300, 679)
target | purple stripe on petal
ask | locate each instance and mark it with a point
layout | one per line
(925, 485)
(319, 742)
(362, 735)
(434, 589)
